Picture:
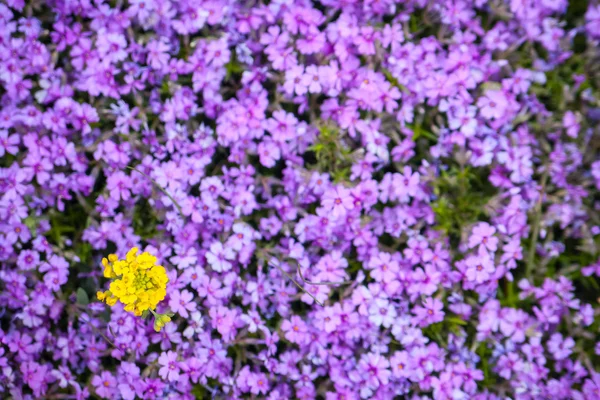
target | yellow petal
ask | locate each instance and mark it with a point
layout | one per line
(119, 267)
(131, 254)
(101, 295)
(108, 272)
(129, 299)
(111, 301)
(147, 259)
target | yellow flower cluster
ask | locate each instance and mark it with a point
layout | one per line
(137, 282)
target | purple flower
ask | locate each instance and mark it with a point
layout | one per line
(258, 383)
(269, 153)
(310, 79)
(294, 82)
(375, 369)
(8, 143)
(28, 259)
(430, 313)
(119, 184)
(404, 169)
(219, 257)
(559, 347)
(295, 330)
(493, 104)
(169, 369)
(571, 124)
(384, 268)
(479, 268)
(483, 235)
(338, 201)
(181, 303)
(382, 313)
(400, 364)
(105, 385)
(224, 320)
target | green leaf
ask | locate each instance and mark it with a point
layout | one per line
(82, 297)
(31, 223)
(491, 86)
(394, 82)
(317, 147)
(456, 320)
(84, 252)
(164, 89)
(485, 354)
(199, 392)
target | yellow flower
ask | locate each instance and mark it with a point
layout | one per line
(137, 282)
(108, 271)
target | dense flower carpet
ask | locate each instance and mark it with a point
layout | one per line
(334, 199)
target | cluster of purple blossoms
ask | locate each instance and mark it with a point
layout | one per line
(353, 199)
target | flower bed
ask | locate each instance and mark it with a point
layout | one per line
(294, 199)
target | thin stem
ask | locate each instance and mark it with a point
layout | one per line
(296, 283)
(327, 283)
(536, 226)
(89, 322)
(161, 189)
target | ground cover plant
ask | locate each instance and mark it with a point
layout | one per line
(299, 199)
